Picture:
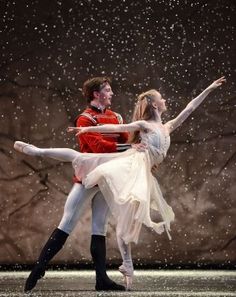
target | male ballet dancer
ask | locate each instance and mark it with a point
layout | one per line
(98, 93)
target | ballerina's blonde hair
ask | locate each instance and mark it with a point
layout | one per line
(143, 110)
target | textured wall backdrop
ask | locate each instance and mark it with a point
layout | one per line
(48, 48)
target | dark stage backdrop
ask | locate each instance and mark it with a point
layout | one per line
(48, 48)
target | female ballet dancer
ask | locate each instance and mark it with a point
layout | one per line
(125, 178)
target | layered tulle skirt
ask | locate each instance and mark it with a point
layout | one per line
(130, 190)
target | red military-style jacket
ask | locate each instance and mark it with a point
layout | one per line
(99, 142)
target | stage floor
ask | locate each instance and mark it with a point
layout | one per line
(147, 283)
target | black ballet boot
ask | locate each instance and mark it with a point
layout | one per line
(98, 252)
(51, 248)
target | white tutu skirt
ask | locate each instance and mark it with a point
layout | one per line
(130, 190)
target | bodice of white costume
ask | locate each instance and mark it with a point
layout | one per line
(158, 144)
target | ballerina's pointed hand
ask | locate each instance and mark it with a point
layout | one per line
(217, 83)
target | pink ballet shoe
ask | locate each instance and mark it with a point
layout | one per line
(128, 273)
(25, 148)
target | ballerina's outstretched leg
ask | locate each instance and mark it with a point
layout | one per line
(61, 154)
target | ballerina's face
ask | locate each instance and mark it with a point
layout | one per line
(159, 102)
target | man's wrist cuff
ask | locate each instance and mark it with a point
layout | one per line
(121, 147)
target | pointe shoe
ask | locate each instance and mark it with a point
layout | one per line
(25, 148)
(128, 273)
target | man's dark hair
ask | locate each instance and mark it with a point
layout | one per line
(94, 84)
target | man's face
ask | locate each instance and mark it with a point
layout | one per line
(104, 96)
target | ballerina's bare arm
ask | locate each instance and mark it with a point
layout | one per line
(192, 105)
(109, 128)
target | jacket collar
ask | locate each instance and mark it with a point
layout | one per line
(95, 108)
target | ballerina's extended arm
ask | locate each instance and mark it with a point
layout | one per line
(109, 128)
(192, 105)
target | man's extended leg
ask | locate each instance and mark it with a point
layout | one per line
(72, 212)
(100, 214)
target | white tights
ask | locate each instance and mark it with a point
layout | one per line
(61, 154)
(125, 251)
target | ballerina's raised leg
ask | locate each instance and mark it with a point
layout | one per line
(61, 154)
